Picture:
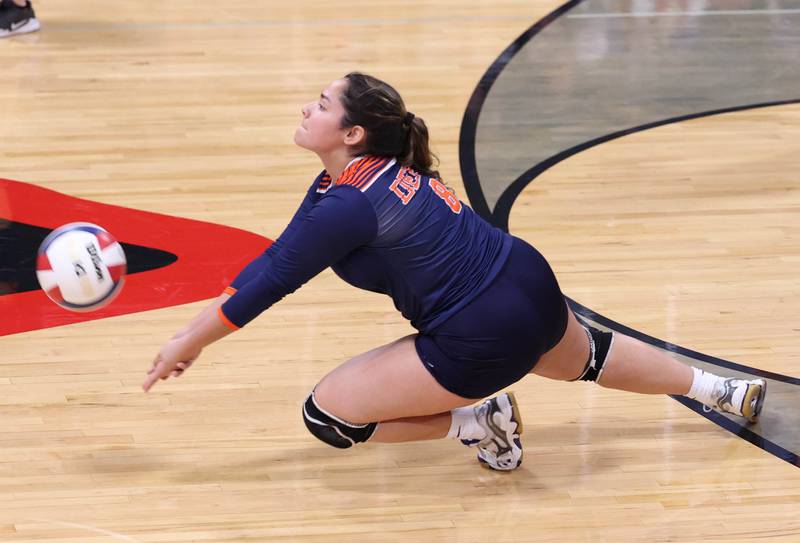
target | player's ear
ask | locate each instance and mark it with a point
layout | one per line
(355, 136)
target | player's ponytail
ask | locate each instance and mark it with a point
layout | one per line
(390, 129)
(418, 154)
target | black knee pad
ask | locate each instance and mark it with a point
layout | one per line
(332, 430)
(599, 346)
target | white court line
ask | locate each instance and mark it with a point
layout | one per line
(267, 23)
(684, 13)
(115, 535)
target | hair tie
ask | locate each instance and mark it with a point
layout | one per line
(408, 119)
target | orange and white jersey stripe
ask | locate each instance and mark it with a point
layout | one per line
(360, 173)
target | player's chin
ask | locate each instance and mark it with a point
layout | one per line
(300, 137)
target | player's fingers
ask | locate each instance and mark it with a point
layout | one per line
(156, 360)
(151, 379)
(152, 376)
(181, 367)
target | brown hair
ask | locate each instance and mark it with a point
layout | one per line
(390, 129)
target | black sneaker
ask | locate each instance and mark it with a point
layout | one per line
(16, 20)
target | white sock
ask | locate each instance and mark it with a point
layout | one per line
(703, 387)
(465, 424)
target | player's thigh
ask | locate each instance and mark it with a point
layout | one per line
(386, 383)
(567, 359)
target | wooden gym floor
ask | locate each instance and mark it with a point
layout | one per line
(687, 232)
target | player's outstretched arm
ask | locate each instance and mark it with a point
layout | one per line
(209, 310)
(181, 351)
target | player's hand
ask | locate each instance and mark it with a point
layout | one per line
(173, 359)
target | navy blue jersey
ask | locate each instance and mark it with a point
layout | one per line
(381, 227)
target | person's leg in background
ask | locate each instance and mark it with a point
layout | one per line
(17, 17)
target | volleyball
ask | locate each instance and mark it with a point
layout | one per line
(81, 266)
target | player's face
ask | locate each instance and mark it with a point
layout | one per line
(320, 130)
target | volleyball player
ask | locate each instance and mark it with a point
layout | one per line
(486, 305)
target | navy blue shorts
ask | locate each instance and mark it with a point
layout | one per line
(498, 337)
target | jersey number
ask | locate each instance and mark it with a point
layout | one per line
(445, 194)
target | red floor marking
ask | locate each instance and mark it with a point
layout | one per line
(209, 256)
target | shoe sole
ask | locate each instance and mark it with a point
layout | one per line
(754, 397)
(516, 418)
(32, 25)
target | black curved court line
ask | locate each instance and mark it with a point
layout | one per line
(469, 124)
(499, 217)
(502, 209)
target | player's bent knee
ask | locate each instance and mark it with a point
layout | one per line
(333, 430)
(600, 343)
